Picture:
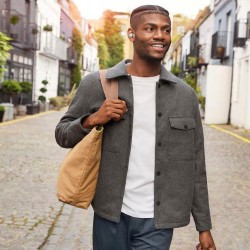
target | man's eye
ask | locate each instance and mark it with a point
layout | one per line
(168, 31)
(150, 29)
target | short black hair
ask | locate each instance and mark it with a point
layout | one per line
(144, 10)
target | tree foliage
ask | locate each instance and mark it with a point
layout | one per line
(11, 88)
(113, 38)
(43, 90)
(77, 44)
(76, 75)
(175, 69)
(5, 47)
(103, 52)
(26, 87)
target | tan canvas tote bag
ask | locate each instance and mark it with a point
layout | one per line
(79, 170)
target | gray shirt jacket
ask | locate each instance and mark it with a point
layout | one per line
(180, 186)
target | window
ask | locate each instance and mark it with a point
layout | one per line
(180, 30)
(248, 25)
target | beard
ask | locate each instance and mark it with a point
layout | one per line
(143, 50)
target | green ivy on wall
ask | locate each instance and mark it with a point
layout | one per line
(77, 44)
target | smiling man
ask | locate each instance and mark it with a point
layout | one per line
(152, 174)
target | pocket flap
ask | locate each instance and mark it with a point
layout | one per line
(182, 123)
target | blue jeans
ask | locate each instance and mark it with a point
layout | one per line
(129, 234)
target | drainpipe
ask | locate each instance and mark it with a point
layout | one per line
(231, 90)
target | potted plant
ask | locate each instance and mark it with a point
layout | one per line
(14, 20)
(25, 89)
(2, 110)
(34, 31)
(33, 108)
(202, 101)
(42, 98)
(48, 28)
(220, 51)
(11, 88)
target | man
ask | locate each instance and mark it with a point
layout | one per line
(152, 173)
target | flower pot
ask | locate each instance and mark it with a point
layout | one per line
(220, 52)
(32, 109)
(44, 106)
(1, 115)
(21, 110)
(9, 111)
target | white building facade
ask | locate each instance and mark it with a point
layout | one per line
(52, 48)
(240, 102)
(205, 43)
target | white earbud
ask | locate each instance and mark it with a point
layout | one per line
(131, 35)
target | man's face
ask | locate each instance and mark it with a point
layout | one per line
(152, 37)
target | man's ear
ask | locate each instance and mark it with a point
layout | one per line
(131, 34)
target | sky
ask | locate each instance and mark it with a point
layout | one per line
(93, 9)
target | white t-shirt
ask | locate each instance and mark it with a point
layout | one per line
(138, 200)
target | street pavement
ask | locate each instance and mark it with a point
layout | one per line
(31, 217)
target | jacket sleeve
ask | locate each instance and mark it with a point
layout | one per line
(69, 130)
(200, 208)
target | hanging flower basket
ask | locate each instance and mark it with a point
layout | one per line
(14, 19)
(48, 28)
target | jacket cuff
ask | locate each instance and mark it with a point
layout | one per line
(76, 128)
(203, 224)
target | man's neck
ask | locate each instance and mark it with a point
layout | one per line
(144, 68)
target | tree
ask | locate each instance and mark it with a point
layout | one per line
(43, 90)
(5, 47)
(11, 88)
(25, 89)
(103, 52)
(113, 38)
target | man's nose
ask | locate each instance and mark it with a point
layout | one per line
(158, 34)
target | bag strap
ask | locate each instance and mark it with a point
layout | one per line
(110, 86)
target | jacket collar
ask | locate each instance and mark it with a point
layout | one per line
(120, 70)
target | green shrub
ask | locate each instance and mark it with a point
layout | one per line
(42, 98)
(26, 87)
(63, 101)
(11, 88)
(176, 70)
(43, 90)
(14, 19)
(2, 108)
(57, 102)
(201, 98)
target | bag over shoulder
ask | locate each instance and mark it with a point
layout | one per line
(79, 170)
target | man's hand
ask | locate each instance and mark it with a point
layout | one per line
(110, 110)
(206, 241)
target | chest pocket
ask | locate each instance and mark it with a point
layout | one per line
(181, 138)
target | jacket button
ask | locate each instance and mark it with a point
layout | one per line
(159, 114)
(159, 144)
(186, 126)
(158, 203)
(158, 173)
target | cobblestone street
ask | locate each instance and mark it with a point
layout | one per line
(32, 218)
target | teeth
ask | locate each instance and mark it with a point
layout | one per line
(158, 45)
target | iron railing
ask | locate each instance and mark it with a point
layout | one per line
(219, 44)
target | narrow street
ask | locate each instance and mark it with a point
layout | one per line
(32, 218)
